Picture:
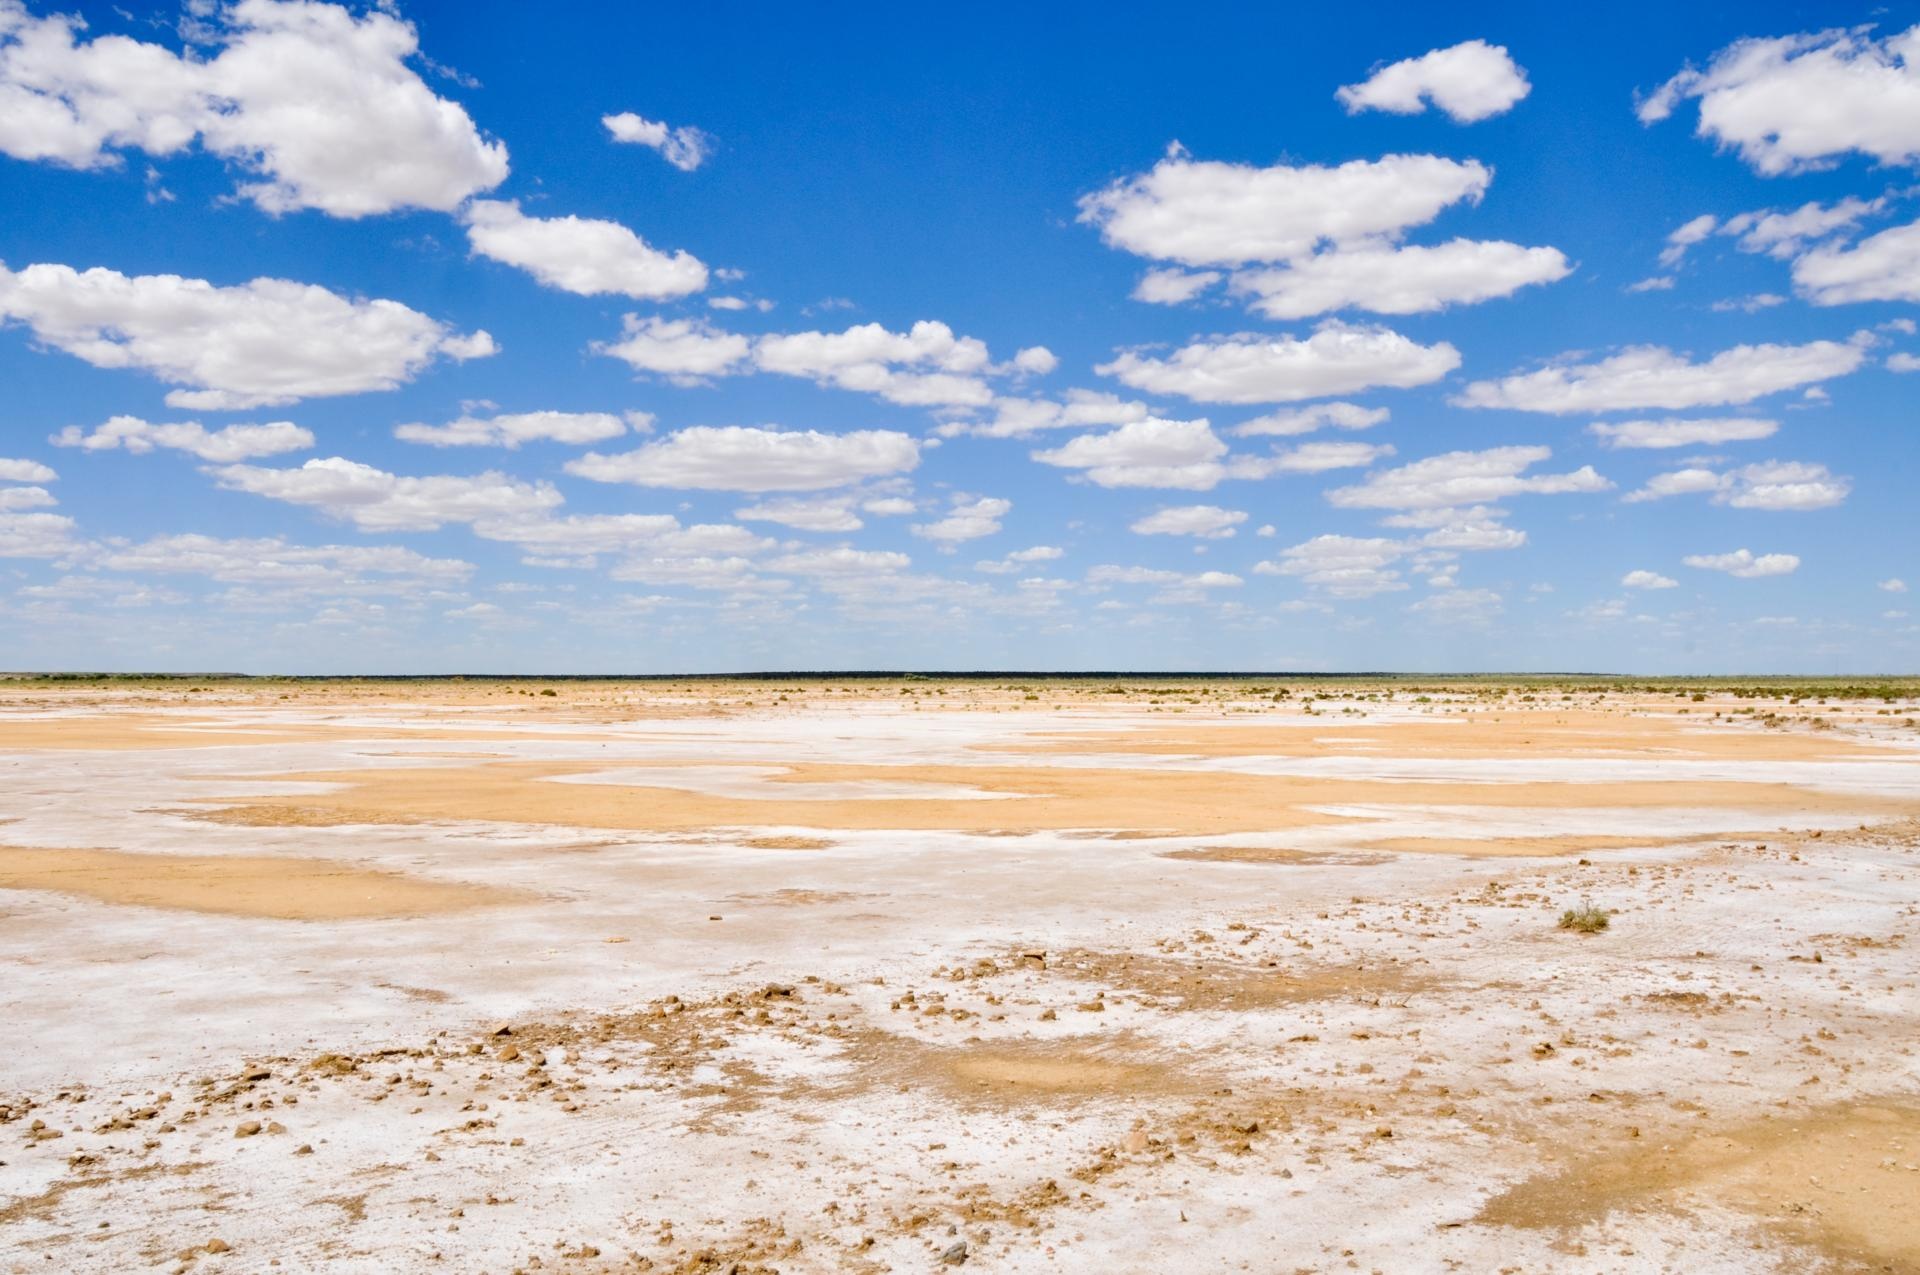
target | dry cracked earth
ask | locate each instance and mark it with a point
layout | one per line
(910, 976)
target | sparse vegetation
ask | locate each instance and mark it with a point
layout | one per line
(1585, 919)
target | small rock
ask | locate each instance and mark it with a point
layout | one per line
(218, 1245)
(246, 1129)
(503, 1029)
(305, 1148)
(955, 1255)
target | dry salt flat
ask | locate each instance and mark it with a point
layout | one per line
(724, 976)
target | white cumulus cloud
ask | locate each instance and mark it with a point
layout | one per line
(1456, 479)
(1207, 213)
(222, 446)
(1305, 420)
(1670, 432)
(969, 518)
(375, 500)
(511, 429)
(685, 147)
(1745, 564)
(1882, 267)
(581, 255)
(1648, 580)
(1469, 81)
(319, 105)
(1799, 102)
(1780, 485)
(1652, 376)
(1207, 522)
(1399, 280)
(264, 343)
(745, 458)
(1337, 359)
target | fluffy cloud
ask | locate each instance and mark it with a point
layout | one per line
(1682, 433)
(1189, 456)
(1648, 580)
(1035, 360)
(17, 499)
(511, 429)
(1173, 286)
(1020, 559)
(1786, 485)
(1342, 566)
(35, 535)
(581, 255)
(1207, 522)
(1151, 453)
(684, 351)
(1684, 237)
(840, 562)
(25, 471)
(1214, 214)
(1337, 359)
(1882, 267)
(317, 103)
(1018, 417)
(686, 148)
(1111, 574)
(805, 515)
(1653, 376)
(1470, 81)
(222, 446)
(926, 366)
(1399, 280)
(275, 563)
(970, 518)
(577, 540)
(1310, 458)
(263, 343)
(1460, 606)
(743, 458)
(375, 500)
(1744, 564)
(1893, 586)
(1785, 234)
(1305, 420)
(1456, 479)
(1799, 102)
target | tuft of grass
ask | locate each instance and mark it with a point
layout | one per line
(1585, 919)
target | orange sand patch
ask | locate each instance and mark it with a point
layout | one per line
(1169, 802)
(1524, 847)
(257, 885)
(1836, 1179)
(1269, 854)
(1560, 734)
(118, 732)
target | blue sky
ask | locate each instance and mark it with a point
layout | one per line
(439, 338)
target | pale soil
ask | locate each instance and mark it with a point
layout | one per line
(696, 978)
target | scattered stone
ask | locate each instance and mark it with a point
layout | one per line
(956, 1255)
(246, 1129)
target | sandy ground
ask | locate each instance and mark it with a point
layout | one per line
(750, 977)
